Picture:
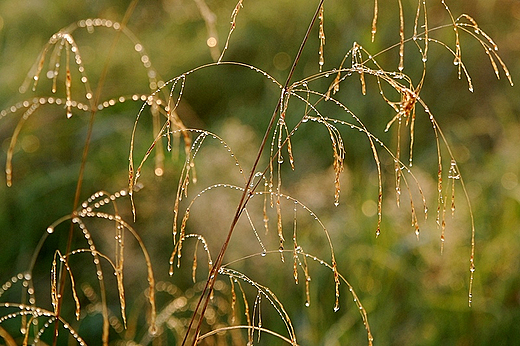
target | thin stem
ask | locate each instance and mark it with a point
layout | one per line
(79, 184)
(248, 192)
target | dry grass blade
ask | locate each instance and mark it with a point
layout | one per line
(7, 337)
(374, 20)
(401, 37)
(271, 298)
(234, 15)
(321, 37)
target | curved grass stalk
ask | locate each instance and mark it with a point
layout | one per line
(166, 130)
(183, 187)
(321, 119)
(472, 267)
(338, 159)
(120, 226)
(297, 248)
(14, 138)
(7, 337)
(34, 313)
(269, 295)
(58, 288)
(54, 289)
(251, 329)
(32, 105)
(64, 38)
(330, 266)
(88, 210)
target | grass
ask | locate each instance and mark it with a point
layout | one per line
(229, 200)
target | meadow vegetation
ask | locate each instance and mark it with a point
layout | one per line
(199, 172)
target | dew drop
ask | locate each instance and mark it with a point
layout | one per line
(50, 230)
(152, 330)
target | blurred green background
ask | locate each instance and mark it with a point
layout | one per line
(412, 293)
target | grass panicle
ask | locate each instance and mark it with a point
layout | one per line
(241, 308)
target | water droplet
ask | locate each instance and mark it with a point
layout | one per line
(50, 230)
(152, 330)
